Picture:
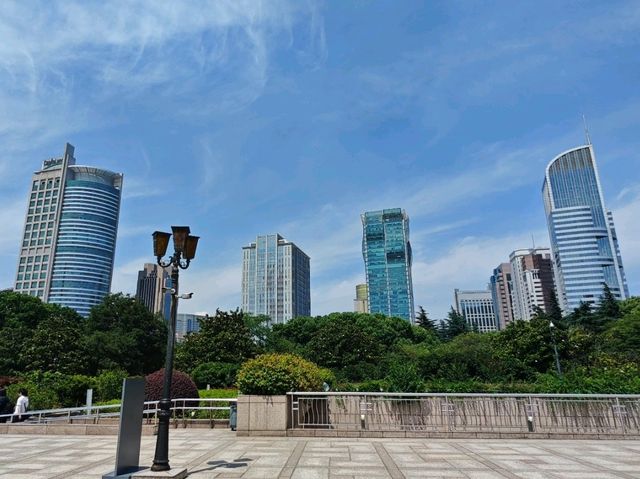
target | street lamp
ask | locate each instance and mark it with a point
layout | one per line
(184, 251)
(555, 349)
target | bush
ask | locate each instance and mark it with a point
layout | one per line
(404, 378)
(278, 374)
(374, 386)
(182, 386)
(217, 375)
(109, 385)
(51, 389)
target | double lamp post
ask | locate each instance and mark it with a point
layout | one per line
(184, 251)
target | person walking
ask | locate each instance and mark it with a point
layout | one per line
(5, 405)
(22, 404)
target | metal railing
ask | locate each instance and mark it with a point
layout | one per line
(443, 412)
(182, 410)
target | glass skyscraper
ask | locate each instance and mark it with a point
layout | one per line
(69, 238)
(275, 279)
(387, 259)
(583, 238)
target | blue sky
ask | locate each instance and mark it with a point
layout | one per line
(241, 118)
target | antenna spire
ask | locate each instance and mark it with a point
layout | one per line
(533, 240)
(586, 130)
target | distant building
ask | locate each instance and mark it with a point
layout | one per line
(361, 303)
(586, 254)
(533, 286)
(69, 238)
(276, 279)
(387, 258)
(501, 286)
(187, 323)
(152, 280)
(477, 308)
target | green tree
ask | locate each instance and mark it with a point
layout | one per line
(455, 325)
(608, 309)
(222, 338)
(555, 313)
(121, 333)
(57, 343)
(423, 320)
(623, 336)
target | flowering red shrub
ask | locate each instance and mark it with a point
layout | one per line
(182, 386)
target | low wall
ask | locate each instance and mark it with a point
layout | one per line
(263, 415)
(69, 429)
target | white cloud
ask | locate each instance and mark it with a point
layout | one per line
(626, 212)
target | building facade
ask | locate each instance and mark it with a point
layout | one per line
(276, 279)
(501, 286)
(361, 303)
(70, 231)
(584, 245)
(532, 278)
(387, 258)
(187, 323)
(150, 289)
(477, 308)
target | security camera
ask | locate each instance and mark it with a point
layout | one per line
(186, 296)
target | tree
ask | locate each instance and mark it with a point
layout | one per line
(222, 338)
(121, 333)
(608, 309)
(456, 324)
(554, 312)
(423, 320)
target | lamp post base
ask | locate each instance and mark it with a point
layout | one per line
(175, 473)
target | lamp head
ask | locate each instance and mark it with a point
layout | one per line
(180, 234)
(190, 248)
(160, 243)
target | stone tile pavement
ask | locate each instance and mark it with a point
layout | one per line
(220, 454)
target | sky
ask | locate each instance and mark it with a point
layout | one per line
(241, 118)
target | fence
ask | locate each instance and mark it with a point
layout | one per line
(467, 413)
(182, 411)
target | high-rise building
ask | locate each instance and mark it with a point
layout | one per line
(501, 285)
(361, 303)
(584, 245)
(187, 323)
(150, 290)
(477, 308)
(275, 279)
(70, 229)
(532, 278)
(387, 259)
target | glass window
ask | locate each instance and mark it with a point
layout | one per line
(35, 185)
(38, 210)
(23, 260)
(43, 275)
(45, 257)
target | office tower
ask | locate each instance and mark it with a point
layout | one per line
(387, 260)
(501, 285)
(275, 279)
(583, 238)
(361, 303)
(70, 231)
(532, 277)
(150, 290)
(477, 308)
(187, 323)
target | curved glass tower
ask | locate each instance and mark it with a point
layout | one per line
(584, 245)
(70, 234)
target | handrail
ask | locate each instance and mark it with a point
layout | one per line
(418, 395)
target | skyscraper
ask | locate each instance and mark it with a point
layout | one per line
(361, 303)
(501, 285)
(477, 309)
(152, 280)
(387, 259)
(532, 279)
(584, 244)
(69, 238)
(275, 279)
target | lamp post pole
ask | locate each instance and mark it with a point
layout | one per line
(555, 349)
(184, 251)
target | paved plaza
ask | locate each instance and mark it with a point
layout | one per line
(220, 454)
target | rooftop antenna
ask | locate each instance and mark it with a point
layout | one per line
(533, 240)
(586, 130)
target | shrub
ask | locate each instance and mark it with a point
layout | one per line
(39, 397)
(109, 385)
(182, 386)
(277, 374)
(403, 378)
(217, 375)
(51, 389)
(374, 386)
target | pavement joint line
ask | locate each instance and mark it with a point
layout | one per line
(392, 468)
(205, 455)
(585, 462)
(29, 456)
(86, 467)
(292, 462)
(490, 464)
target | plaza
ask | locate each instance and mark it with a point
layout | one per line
(218, 453)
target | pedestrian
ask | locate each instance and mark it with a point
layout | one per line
(5, 405)
(22, 404)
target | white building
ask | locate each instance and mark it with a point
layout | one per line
(477, 308)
